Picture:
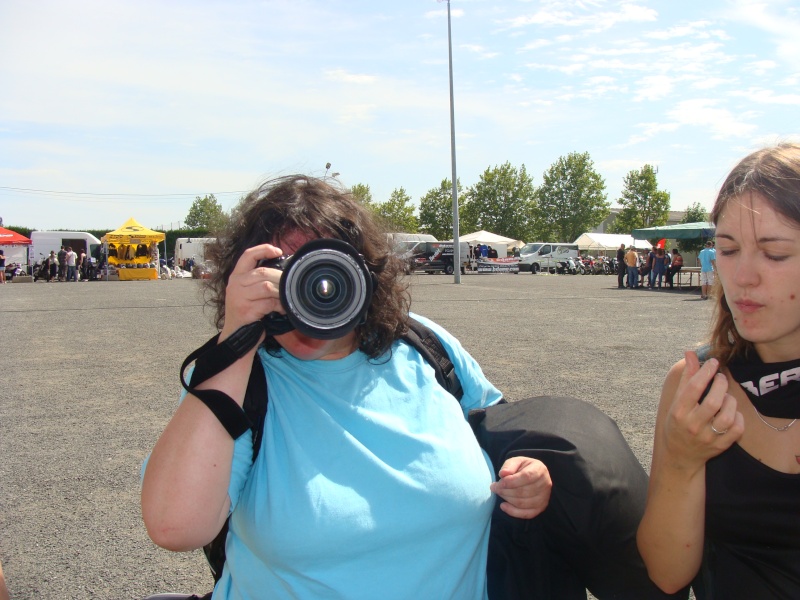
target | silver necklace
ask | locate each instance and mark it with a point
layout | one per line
(770, 425)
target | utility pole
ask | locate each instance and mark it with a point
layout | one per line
(456, 245)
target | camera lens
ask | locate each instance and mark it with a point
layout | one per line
(326, 289)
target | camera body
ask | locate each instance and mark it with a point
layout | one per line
(326, 289)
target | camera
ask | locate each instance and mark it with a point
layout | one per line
(326, 289)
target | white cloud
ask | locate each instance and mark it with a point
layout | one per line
(436, 14)
(346, 77)
(781, 26)
(763, 96)
(696, 29)
(654, 87)
(709, 83)
(479, 50)
(536, 45)
(761, 67)
(565, 69)
(706, 114)
(583, 15)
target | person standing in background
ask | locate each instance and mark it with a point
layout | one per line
(659, 268)
(2, 266)
(647, 268)
(81, 265)
(72, 258)
(621, 266)
(708, 266)
(52, 266)
(62, 264)
(632, 265)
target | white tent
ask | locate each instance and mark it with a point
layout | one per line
(486, 237)
(498, 242)
(606, 242)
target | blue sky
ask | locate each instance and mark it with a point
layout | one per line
(120, 108)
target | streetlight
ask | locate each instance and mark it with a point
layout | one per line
(327, 167)
(456, 245)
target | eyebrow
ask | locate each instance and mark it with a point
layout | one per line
(761, 240)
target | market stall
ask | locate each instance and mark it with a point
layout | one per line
(15, 248)
(133, 251)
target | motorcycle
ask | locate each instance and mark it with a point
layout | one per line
(566, 267)
(13, 270)
(41, 270)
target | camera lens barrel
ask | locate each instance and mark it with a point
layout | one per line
(326, 288)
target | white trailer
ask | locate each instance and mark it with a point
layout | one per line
(195, 248)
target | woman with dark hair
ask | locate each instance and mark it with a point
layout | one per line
(722, 509)
(659, 268)
(368, 482)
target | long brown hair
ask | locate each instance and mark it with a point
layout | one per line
(321, 208)
(774, 174)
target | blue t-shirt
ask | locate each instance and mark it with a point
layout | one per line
(706, 256)
(369, 483)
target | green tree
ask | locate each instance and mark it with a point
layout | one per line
(502, 202)
(571, 200)
(694, 214)
(397, 213)
(643, 204)
(363, 194)
(206, 213)
(436, 210)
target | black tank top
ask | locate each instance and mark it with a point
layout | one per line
(752, 531)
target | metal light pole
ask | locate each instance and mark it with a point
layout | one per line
(456, 245)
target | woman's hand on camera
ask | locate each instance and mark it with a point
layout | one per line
(252, 291)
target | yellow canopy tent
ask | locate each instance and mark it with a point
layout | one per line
(132, 247)
(132, 232)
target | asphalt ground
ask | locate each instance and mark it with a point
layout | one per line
(90, 378)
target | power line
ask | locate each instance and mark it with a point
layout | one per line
(113, 194)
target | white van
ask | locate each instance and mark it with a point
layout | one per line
(437, 257)
(80, 241)
(546, 256)
(409, 246)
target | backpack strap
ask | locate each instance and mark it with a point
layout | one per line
(427, 343)
(255, 410)
(212, 358)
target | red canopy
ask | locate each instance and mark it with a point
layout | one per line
(12, 238)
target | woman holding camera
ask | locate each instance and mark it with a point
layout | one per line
(722, 509)
(368, 482)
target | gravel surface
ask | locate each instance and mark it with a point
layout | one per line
(90, 380)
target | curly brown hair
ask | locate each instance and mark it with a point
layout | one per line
(321, 208)
(774, 174)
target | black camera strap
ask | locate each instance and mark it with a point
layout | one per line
(211, 359)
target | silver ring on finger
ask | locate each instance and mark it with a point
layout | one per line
(717, 431)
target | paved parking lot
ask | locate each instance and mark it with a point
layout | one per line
(90, 379)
